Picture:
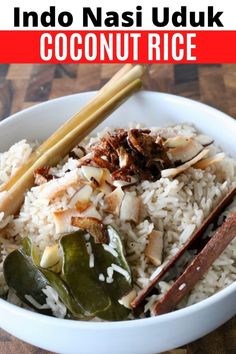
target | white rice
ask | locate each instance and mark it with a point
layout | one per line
(12, 159)
(91, 255)
(110, 249)
(53, 302)
(91, 260)
(109, 278)
(175, 207)
(101, 277)
(33, 302)
(121, 271)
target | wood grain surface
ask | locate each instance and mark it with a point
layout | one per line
(23, 85)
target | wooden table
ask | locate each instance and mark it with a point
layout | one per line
(22, 86)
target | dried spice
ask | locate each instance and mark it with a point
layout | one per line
(134, 152)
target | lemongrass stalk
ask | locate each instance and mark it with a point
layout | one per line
(114, 87)
(124, 70)
(13, 199)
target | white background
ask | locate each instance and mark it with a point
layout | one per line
(75, 7)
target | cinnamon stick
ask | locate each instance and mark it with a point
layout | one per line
(198, 267)
(197, 234)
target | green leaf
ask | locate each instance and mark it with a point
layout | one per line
(26, 244)
(25, 278)
(97, 297)
(64, 293)
(82, 280)
(31, 250)
(120, 285)
(78, 286)
(116, 242)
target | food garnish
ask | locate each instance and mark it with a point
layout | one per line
(154, 248)
(205, 140)
(195, 238)
(62, 220)
(173, 172)
(82, 266)
(126, 153)
(114, 200)
(127, 299)
(81, 199)
(185, 152)
(93, 226)
(77, 281)
(130, 208)
(196, 269)
(68, 136)
(209, 161)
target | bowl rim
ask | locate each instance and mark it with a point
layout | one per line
(175, 315)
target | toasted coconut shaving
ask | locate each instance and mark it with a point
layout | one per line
(58, 186)
(81, 199)
(92, 173)
(128, 298)
(154, 248)
(114, 200)
(93, 226)
(185, 152)
(62, 219)
(204, 140)
(172, 172)
(91, 212)
(106, 185)
(209, 161)
(130, 208)
(176, 141)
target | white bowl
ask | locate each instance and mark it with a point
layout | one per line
(146, 336)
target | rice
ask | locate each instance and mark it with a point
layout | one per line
(101, 277)
(110, 249)
(121, 271)
(53, 302)
(13, 158)
(91, 260)
(175, 207)
(109, 278)
(91, 255)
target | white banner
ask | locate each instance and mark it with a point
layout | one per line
(122, 15)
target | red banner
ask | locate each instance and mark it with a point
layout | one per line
(118, 47)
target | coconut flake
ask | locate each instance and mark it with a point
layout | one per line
(173, 172)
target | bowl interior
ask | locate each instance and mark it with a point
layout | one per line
(147, 108)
